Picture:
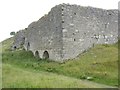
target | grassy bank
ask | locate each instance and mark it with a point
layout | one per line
(100, 63)
(32, 79)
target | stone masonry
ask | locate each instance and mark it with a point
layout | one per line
(69, 30)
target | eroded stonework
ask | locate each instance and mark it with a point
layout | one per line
(68, 30)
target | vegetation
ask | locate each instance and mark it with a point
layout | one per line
(12, 33)
(99, 64)
(16, 77)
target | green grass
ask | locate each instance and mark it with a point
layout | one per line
(100, 63)
(32, 79)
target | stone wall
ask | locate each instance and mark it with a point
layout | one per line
(46, 35)
(19, 40)
(85, 26)
(69, 30)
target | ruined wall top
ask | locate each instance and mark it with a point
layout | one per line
(96, 11)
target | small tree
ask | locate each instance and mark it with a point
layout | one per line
(12, 33)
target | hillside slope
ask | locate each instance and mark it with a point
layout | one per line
(99, 63)
(30, 79)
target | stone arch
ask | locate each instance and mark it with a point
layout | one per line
(14, 47)
(45, 55)
(37, 54)
(28, 46)
(23, 39)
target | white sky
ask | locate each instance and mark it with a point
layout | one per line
(18, 14)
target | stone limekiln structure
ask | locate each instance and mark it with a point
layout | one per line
(69, 30)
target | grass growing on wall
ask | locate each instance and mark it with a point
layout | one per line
(99, 63)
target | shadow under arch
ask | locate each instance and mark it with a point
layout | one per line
(37, 54)
(23, 40)
(45, 55)
(28, 46)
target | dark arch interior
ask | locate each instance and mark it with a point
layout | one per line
(14, 47)
(28, 46)
(37, 54)
(46, 55)
(23, 40)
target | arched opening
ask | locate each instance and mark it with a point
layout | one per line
(28, 46)
(15, 47)
(37, 54)
(45, 55)
(23, 41)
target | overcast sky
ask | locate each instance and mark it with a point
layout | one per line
(18, 14)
